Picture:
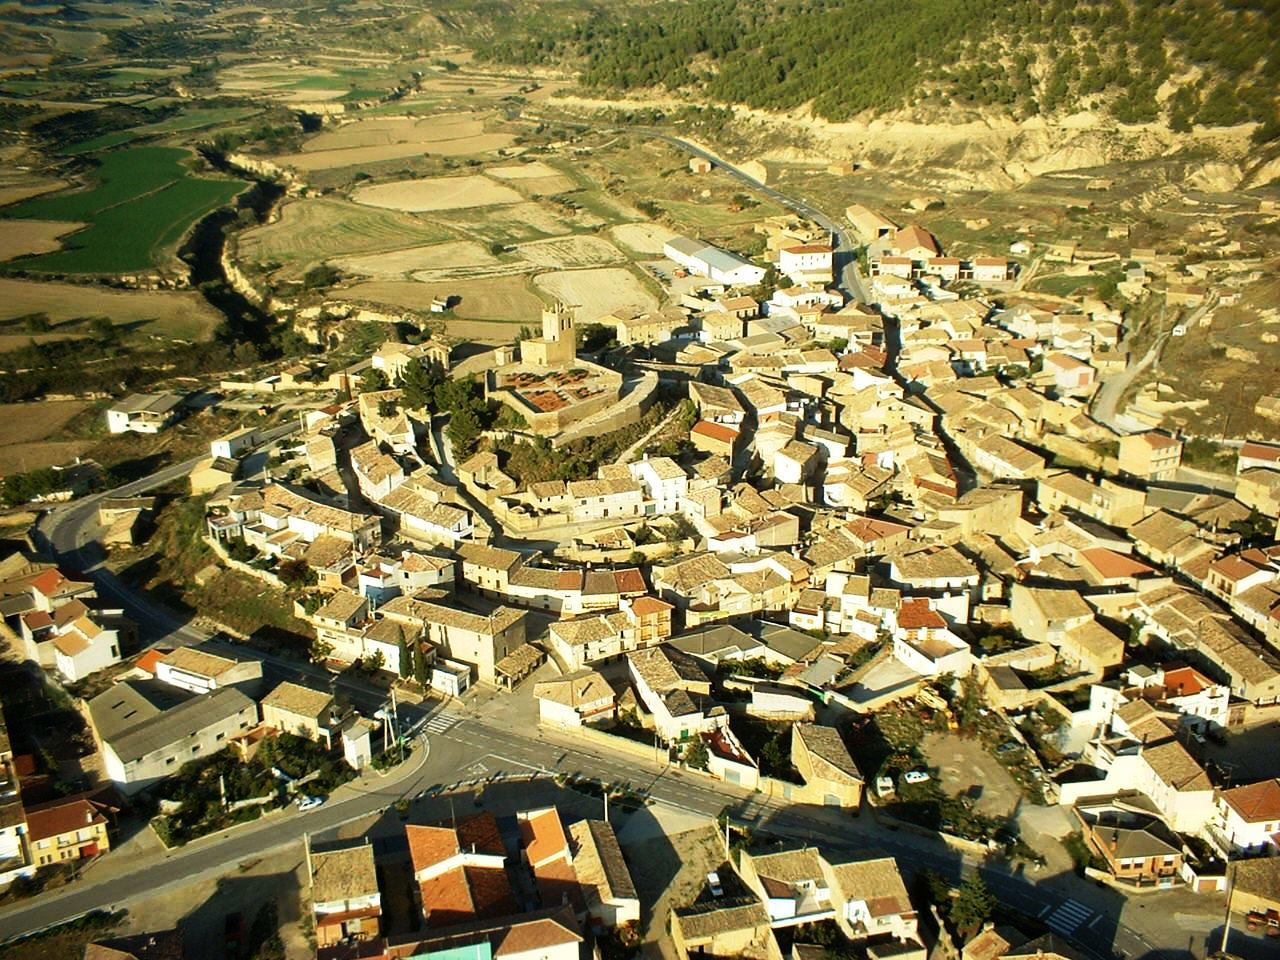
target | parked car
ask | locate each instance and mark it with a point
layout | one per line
(713, 883)
(1009, 746)
(884, 786)
(309, 803)
(915, 776)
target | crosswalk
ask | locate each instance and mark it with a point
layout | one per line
(1068, 917)
(442, 723)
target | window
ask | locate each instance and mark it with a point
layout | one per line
(169, 762)
(221, 736)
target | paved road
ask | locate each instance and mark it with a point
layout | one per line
(67, 533)
(848, 278)
(1113, 388)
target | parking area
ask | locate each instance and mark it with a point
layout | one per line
(965, 767)
(1250, 752)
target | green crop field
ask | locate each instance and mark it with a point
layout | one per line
(143, 203)
(188, 120)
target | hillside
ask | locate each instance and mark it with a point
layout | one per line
(1190, 62)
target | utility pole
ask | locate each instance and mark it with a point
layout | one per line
(1226, 922)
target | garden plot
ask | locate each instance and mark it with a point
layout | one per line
(432, 261)
(22, 237)
(566, 253)
(436, 193)
(596, 293)
(643, 238)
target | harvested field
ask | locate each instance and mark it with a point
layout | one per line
(569, 252)
(534, 179)
(21, 237)
(503, 299)
(524, 171)
(312, 230)
(27, 422)
(598, 292)
(382, 131)
(437, 258)
(436, 193)
(645, 238)
(183, 315)
(23, 429)
(13, 192)
(359, 156)
(24, 457)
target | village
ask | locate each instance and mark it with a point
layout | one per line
(875, 551)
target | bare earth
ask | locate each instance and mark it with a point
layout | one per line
(436, 193)
(22, 237)
(966, 764)
(598, 292)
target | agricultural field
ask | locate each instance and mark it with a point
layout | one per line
(437, 260)
(566, 253)
(24, 429)
(180, 315)
(22, 237)
(373, 139)
(291, 82)
(185, 122)
(598, 292)
(311, 230)
(516, 223)
(436, 193)
(508, 300)
(143, 203)
(24, 187)
(645, 239)
(536, 179)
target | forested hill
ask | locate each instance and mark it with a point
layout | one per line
(850, 56)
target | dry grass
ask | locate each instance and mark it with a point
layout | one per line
(436, 193)
(182, 315)
(21, 237)
(598, 292)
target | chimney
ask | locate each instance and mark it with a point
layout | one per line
(88, 815)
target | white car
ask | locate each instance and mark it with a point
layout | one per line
(915, 776)
(713, 881)
(309, 803)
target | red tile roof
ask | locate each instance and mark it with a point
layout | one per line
(1260, 451)
(48, 582)
(61, 817)
(715, 431)
(149, 660)
(914, 614)
(1111, 565)
(630, 580)
(1257, 802)
(649, 606)
(542, 836)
